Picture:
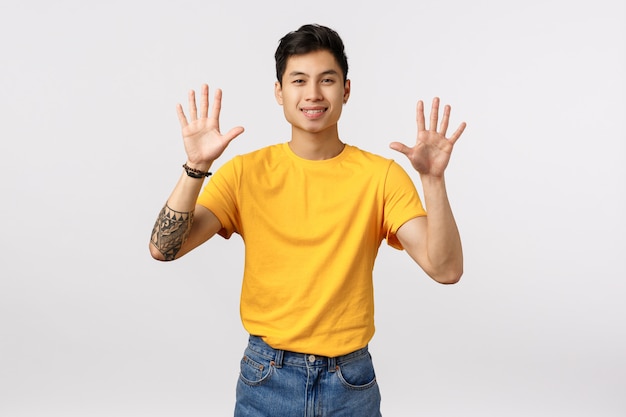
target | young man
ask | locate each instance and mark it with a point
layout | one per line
(312, 213)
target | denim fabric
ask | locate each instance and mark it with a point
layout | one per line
(276, 383)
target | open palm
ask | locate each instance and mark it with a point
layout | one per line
(203, 140)
(431, 153)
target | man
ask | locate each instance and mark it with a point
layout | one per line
(312, 214)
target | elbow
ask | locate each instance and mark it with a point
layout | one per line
(156, 254)
(448, 272)
(448, 276)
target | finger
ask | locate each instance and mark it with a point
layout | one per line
(434, 114)
(217, 104)
(193, 110)
(204, 102)
(457, 134)
(421, 123)
(400, 147)
(181, 115)
(446, 119)
(233, 133)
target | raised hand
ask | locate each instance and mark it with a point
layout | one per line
(431, 153)
(203, 140)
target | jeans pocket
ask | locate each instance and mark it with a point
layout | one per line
(358, 373)
(254, 370)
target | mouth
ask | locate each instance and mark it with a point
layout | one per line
(314, 112)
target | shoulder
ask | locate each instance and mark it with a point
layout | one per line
(385, 171)
(359, 155)
(373, 161)
(256, 158)
(271, 151)
(356, 152)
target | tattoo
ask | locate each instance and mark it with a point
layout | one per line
(170, 231)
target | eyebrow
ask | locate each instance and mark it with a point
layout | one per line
(300, 73)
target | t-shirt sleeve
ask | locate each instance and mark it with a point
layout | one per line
(220, 196)
(401, 203)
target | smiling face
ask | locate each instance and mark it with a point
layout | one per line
(312, 94)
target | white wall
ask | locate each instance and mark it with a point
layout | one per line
(90, 148)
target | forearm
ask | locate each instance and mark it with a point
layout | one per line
(185, 193)
(173, 224)
(443, 244)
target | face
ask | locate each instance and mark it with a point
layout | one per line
(313, 92)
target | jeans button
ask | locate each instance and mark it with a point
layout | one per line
(311, 358)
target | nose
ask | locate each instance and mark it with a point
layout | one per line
(314, 92)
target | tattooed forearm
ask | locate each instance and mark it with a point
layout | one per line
(170, 231)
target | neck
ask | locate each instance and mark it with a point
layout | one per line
(316, 146)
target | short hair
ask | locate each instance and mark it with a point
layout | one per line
(310, 38)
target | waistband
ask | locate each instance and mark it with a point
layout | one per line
(284, 357)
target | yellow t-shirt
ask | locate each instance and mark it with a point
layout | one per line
(311, 231)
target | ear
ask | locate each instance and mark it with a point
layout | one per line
(278, 93)
(346, 91)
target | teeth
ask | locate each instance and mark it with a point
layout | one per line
(313, 111)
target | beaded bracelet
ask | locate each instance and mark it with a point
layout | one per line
(195, 173)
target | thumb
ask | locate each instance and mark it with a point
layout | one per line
(400, 147)
(233, 133)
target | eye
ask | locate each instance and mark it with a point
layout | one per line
(298, 81)
(328, 81)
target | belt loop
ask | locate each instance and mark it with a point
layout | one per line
(278, 359)
(332, 364)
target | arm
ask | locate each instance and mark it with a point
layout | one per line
(433, 241)
(182, 225)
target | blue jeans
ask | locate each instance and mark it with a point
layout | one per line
(277, 383)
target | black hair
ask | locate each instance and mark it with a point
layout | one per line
(310, 38)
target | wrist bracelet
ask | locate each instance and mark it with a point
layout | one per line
(195, 173)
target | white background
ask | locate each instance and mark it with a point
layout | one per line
(90, 148)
